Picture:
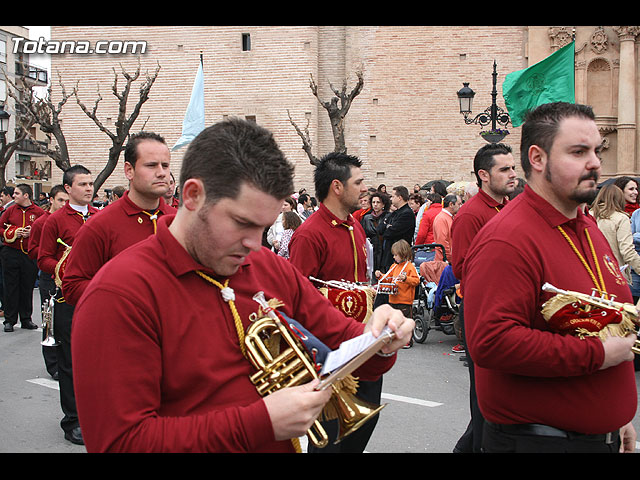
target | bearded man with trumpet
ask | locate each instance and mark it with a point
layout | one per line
(164, 368)
(542, 386)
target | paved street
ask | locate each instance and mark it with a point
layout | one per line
(426, 397)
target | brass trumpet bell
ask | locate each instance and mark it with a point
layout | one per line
(280, 366)
(47, 324)
(353, 412)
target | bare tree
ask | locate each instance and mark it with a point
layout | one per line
(123, 122)
(337, 113)
(7, 149)
(46, 115)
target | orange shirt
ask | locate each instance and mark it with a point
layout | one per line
(407, 287)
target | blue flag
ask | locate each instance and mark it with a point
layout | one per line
(194, 118)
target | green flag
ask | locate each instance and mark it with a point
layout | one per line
(550, 80)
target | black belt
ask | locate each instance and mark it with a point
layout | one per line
(539, 430)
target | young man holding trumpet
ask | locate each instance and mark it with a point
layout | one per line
(542, 384)
(165, 368)
(58, 234)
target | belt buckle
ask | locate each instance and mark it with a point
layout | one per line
(608, 438)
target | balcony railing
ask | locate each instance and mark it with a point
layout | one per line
(36, 74)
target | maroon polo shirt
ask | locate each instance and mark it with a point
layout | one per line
(471, 217)
(16, 216)
(324, 248)
(115, 228)
(161, 368)
(34, 236)
(63, 224)
(526, 373)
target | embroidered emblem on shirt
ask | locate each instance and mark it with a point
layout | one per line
(613, 270)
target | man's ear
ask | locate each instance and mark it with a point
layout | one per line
(484, 175)
(537, 158)
(193, 194)
(336, 187)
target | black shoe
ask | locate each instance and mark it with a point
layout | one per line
(74, 436)
(55, 376)
(29, 325)
(8, 327)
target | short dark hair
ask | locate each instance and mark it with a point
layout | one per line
(384, 198)
(402, 192)
(71, 172)
(56, 189)
(303, 197)
(541, 127)
(449, 199)
(7, 190)
(131, 150)
(235, 151)
(484, 159)
(434, 197)
(333, 166)
(25, 188)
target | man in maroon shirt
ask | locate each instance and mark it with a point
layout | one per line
(18, 269)
(59, 233)
(128, 220)
(494, 168)
(539, 389)
(331, 245)
(163, 368)
(57, 198)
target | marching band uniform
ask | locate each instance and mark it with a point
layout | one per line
(119, 225)
(525, 372)
(320, 247)
(20, 271)
(64, 225)
(328, 248)
(47, 288)
(181, 366)
(472, 216)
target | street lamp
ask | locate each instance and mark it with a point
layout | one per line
(4, 121)
(493, 115)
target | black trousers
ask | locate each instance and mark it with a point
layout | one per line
(357, 441)
(47, 287)
(62, 332)
(471, 439)
(497, 441)
(20, 273)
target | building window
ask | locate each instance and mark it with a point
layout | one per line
(246, 42)
(250, 118)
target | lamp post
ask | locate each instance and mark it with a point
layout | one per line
(4, 124)
(492, 115)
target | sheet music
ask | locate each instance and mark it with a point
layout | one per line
(349, 350)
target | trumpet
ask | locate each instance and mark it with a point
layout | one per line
(630, 317)
(341, 284)
(293, 366)
(47, 323)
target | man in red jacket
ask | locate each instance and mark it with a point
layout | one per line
(541, 388)
(19, 270)
(165, 367)
(57, 236)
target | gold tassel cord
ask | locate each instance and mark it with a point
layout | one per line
(240, 329)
